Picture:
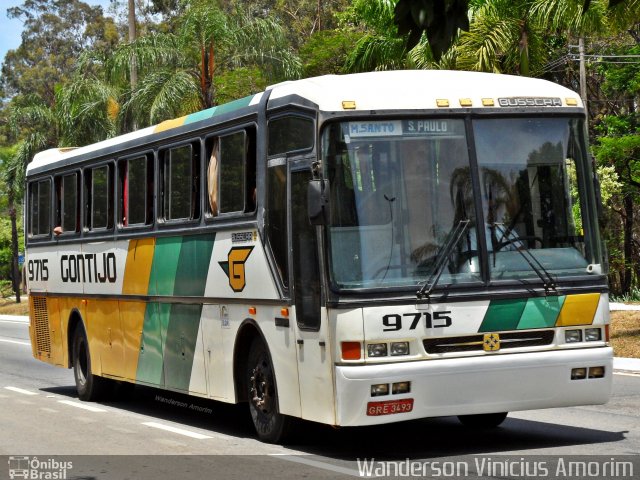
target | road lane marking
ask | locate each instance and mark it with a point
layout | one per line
(82, 405)
(21, 390)
(179, 431)
(8, 340)
(316, 464)
(48, 410)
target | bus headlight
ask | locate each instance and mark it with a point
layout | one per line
(572, 336)
(379, 389)
(400, 348)
(592, 335)
(377, 350)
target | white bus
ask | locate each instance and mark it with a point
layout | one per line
(350, 250)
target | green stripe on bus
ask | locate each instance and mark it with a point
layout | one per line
(541, 312)
(180, 346)
(218, 110)
(165, 265)
(154, 334)
(193, 265)
(503, 315)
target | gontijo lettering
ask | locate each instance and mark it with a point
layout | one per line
(89, 268)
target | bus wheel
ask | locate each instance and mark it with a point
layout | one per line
(484, 420)
(270, 424)
(90, 387)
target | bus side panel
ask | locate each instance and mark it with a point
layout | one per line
(105, 337)
(132, 321)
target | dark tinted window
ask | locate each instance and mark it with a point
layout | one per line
(277, 216)
(180, 183)
(136, 187)
(69, 203)
(100, 198)
(288, 134)
(40, 207)
(232, 159)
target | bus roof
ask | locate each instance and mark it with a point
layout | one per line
(390, 90)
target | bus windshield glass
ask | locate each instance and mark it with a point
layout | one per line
(402, 189)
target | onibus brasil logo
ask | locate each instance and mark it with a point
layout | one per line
(36, 469)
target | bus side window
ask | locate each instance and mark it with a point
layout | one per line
(290, 134)
(98, 184)
(40, 208)
(135, 191)
(67, 211)
(179, 171)
(231, 173)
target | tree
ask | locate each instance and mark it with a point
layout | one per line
(13, 177)
(176, 70)
(55, 34)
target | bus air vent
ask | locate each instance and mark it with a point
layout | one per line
(41, 324)
(473, 343)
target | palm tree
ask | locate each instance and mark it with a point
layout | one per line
(176, 70)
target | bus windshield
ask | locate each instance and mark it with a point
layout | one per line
(400, 189)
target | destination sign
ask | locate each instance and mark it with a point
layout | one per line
(421, 127)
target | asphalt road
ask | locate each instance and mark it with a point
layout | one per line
(156, 435)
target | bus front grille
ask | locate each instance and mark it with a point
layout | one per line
(41, 324)
(473, 343)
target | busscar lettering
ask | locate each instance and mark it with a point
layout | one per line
(529, 102)
(88, 268)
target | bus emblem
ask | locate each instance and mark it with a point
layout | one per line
(491, 342)
(234, 267)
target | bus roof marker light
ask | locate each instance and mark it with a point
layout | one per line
(466, 102)
(349, 104)
(571, 102)
(488, 102)
(442, 102)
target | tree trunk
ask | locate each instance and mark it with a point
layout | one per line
(16, 277)
(628, 244)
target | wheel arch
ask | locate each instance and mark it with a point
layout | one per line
(247, 333)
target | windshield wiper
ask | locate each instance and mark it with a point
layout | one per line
(442, 256)
(548, 281)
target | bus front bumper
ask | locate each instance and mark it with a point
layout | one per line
(473, 385)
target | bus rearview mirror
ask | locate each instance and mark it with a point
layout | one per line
(318, 202)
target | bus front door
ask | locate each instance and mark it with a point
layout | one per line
(314, 359)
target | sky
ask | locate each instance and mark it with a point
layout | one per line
(10, 29)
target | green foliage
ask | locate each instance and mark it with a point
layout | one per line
(238, 83)
(326, 52)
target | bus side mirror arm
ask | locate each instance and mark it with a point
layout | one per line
(318, 201)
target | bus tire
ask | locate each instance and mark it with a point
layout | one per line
(483, 420)
(270, 424)
(90, 387)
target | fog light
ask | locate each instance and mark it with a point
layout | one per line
(578, 373)
(400, 348)
(573, 336)
(596, 372)
(380, 389)
(592, 335)
(400, 387)
(377, 349)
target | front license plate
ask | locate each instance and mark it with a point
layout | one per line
(389, 407)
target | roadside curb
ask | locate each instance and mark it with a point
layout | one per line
(15, 318)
